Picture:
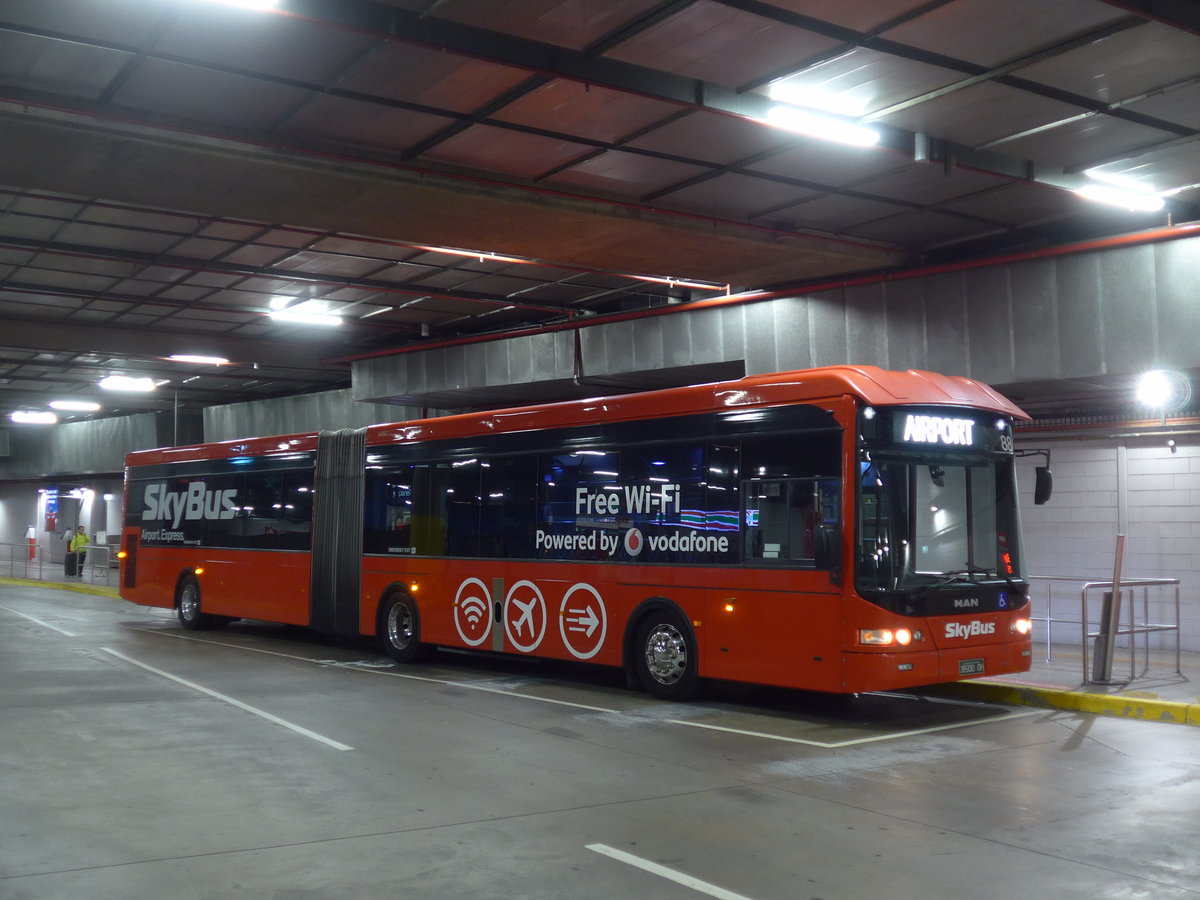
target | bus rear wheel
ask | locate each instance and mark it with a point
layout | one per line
(187, 606)
(666, 657)
(400, 630)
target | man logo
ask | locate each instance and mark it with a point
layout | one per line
(966, 603)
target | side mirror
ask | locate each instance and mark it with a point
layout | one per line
(825, 547)
(1043, 485)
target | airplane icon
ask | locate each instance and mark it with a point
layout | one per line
(526, 617)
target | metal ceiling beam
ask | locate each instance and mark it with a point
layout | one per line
(1181, 14)
(131, 343)
(166, 261)
(367, 16)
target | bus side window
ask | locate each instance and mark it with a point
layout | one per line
(508, 507)
(789, 489)
(295, 531)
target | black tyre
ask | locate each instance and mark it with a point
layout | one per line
(400, 629)
(187, 605)
(665, 656)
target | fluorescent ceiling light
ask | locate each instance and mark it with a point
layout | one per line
(74, 405)
(305, 318)
(1125, 199)
(684, 283)
(310, 312)
(261, 5)
(481, 255)
(29, 417)
(199, 360)
(819, 125)
(127, 383)
(1123, 192)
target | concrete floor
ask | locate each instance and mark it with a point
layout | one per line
(137, 760)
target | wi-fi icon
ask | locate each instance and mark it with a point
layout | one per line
(473, 609)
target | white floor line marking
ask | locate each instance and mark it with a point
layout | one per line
(373, 671)
(763, 735)
(329, 742)
(653, 868)
(40, 622)
(835, 745)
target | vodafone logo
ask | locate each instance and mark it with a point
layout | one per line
(634, 541)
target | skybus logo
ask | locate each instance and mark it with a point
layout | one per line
(197, 502)
(971, 629)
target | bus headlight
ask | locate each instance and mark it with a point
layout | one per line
(877, 637)
(885, 637)
(1022, 626)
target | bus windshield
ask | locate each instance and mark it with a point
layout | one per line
(928, 522)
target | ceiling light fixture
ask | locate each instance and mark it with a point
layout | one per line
(1164, 389)
(127, 383)
(74, 405)
(1121, 197)
(481, 255)
(199, 360)
(301, 316)
(821, 125)
(1124, 192)
(260, 5)
(30, 417)
(683, 283)
(805, 95)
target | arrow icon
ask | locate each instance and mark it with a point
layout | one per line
(586, 620)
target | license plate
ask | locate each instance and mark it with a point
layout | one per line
(970, 667)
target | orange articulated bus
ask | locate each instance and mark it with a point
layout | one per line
(842, 529)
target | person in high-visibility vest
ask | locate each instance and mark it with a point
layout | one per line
(78, 546)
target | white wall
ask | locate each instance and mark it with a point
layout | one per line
(20, 507)
(1134, 486)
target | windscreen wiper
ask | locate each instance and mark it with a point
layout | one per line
(963, 576)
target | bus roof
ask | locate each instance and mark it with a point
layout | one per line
(871, 384)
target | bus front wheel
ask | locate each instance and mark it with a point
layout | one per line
(666, 656)
(400, 630)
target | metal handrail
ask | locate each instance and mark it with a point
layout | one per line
(1132, 627)
(16, 562)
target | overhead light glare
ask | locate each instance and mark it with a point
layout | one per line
(1137, 200)
(307, 312)
(31, 417)
(814, 98)
(1162, 389)
(74, 405)
(260, 5)
(300, 316)
(199, 360)
(820, 125)
(127, 383)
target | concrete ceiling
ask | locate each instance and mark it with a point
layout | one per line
(171, 170)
